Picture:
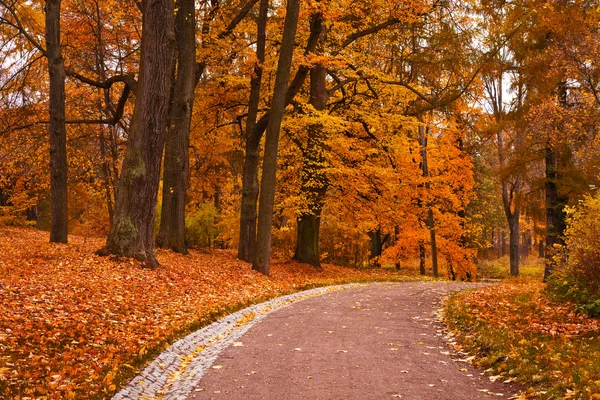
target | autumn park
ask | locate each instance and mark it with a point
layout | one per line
(316, 199)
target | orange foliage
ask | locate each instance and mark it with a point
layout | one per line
(541, 316)
(73, 323)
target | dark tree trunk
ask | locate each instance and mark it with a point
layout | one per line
(251, 160)
(451, 272)
(432, 238)
(541, 248)
(106, 175)
(58, 132)
(513, 225)
(247, 244)
(307, 245)
(430, 222)
(422, 270)
(376, 247)
(396, 236)
(499, 244)
(555, 210)
(503, 243)
(171, 234)
(269, 176)
(132, 228)
(313, 174)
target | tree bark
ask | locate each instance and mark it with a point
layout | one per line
(430, 220)
(511, 211)
(278, 103)
(555, 209)
(58, 132)
(376, 247)
(251, 158)
(422, 270)
(171, 233)
(313, 174)
(131, 232)
(513, 240)
(247, 244)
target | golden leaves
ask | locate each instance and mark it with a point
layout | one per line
(525, 337)
(75, 325)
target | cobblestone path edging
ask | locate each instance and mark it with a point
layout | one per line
(175, 372)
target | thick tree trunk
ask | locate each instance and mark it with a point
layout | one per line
(307, 245)
(249, 206)
(171, 233)
(58, 132)
(247, 244)
(376, 246)
(269, 176)
(313, 174)
(555, 210)
(131, 232)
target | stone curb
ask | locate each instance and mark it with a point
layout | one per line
(176, 371)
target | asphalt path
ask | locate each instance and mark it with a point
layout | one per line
(379, 341)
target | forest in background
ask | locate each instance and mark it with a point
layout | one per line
(437, 130)
(423, 137)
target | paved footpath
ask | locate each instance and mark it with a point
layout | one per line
(377, 341)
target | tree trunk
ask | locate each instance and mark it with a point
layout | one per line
(376, 247)
(171, 233)
(422, 270)
(313, 175)
(307, 245)
(247, 244)
(250, 172)
(513, 225)
(396, 236)
(106, 175)
(430, 220)
(131, 232)
(541, 248)
(58, 132)
(269, 177)
(555, 209)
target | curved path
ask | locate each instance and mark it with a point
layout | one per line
(377, 341)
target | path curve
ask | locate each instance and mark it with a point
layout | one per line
(375, 341)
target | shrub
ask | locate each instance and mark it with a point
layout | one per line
(201, 225)
(577, 273)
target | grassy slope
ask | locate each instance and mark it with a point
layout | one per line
(515, 331)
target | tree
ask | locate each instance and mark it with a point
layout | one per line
(430, 221)
(132, 229)
(313, 175)
(268, 182)
(171, 232)
(57, 128)
(58, 131)
(247, 241)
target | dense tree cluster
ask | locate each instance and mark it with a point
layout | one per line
(392, 130)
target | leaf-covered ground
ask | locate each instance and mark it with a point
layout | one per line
(76, 325)
(518, 334)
